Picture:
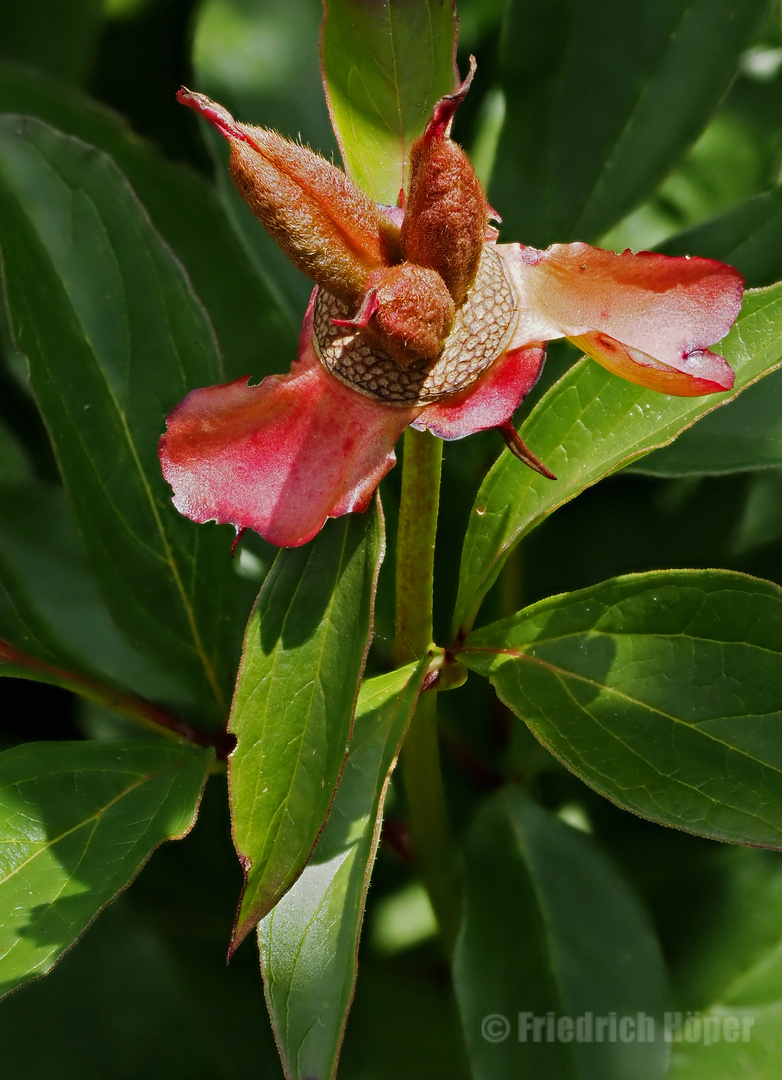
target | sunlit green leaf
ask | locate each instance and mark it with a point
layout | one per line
(292, 714)
(588, 425)
(661, 691)
(77, 823)
(744, 437)
(309, 941)
(385, 66)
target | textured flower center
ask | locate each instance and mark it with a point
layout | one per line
(481, 331)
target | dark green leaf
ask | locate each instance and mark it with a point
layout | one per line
(746, 436)
(385, 67)
(58, 37)
(114, 338)
(588, 425)
(551, 928)
(748, 236)
(661, 691)
(602, 99)
(254, 333)
(309, 941)
(732, 985)
(77, 823)
(14, 466)
(50, 609)
(292, 714)
(760, 519)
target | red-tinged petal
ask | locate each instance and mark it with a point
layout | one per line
(704, 372)
(490, 401)
(282, 456)
(665, 311)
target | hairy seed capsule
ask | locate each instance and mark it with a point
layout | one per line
(414, 312)
(323, 222)
(446, 213)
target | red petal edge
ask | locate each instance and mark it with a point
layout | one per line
(490, 401)
(282, 456)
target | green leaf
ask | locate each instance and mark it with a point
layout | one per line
(114, 339)
(732, 984)
(309, 941)
(50, 608)
(745, 437)
(58, 37)
(588, 425)
(551, 928)
(385, 68)
(14, 465)
(759, 521)
(661, 691)
(602, 99)
(129, 1001)
(254, 332)
(77, 823)
(292, 714)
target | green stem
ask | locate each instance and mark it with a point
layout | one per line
(430, 832)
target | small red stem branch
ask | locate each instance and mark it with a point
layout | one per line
(135, 708)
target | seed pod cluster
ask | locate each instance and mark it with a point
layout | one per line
(405, 284)
(323, 222)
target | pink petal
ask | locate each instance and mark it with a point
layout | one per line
(490, 401)
(282, 456)
(664, 311)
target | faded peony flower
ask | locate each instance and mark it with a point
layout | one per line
(419, 317)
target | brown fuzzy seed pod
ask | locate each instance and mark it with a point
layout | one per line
(414, 312)
(323, 222)
(446, 212)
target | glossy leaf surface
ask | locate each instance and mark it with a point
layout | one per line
(114, 338)
(292, 714)
(385, 66)
(78, 822)
(309, 941)
(587, 426)
(532, 883)
(578, 148)
(661, 691)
